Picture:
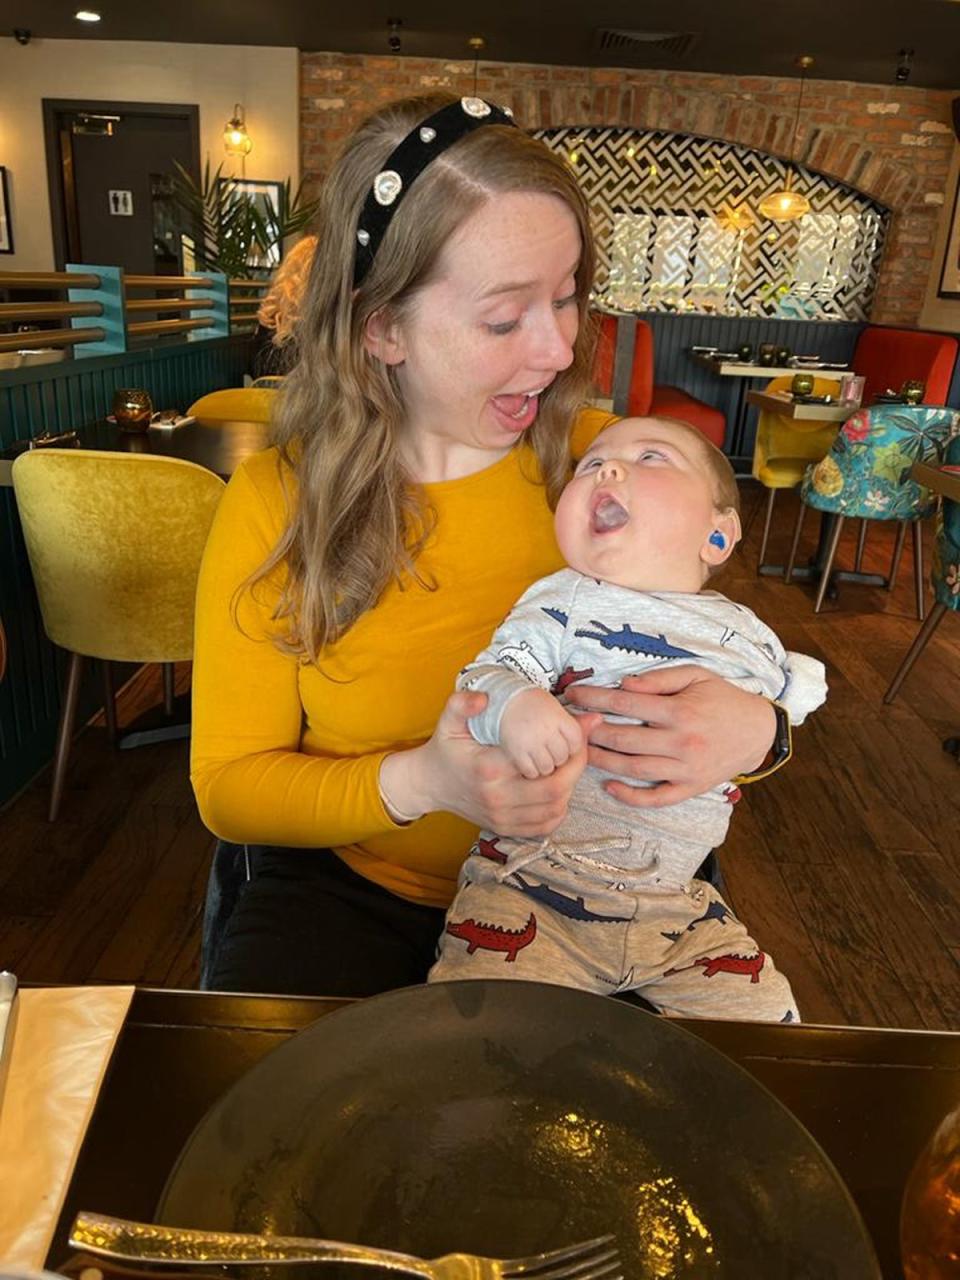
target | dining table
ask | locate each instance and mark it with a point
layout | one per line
(218, 445)
(786, 405)
(870, 1097)
(747, 371)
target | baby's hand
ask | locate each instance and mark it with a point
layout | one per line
(537, 733)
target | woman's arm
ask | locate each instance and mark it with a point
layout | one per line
(699, 730)
(252, 781)
(255, 785)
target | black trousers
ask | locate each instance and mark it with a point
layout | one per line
(300, 922)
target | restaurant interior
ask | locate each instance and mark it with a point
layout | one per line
(775, 197)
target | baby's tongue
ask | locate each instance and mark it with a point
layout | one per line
(510, 404)
(609, 515)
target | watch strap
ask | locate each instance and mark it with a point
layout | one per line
(779, 753)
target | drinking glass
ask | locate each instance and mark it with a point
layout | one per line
(768, 355)
(851, 389)
(929, 1220)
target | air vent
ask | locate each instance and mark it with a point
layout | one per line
(617, 40)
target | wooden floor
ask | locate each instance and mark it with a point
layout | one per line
(846, 864)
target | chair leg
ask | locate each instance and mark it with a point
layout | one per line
(788, 573)
(918, 583)
(68, 713)
(897, 553)
(109, 701)
(933, 621)
(168, 689)
(828, 562)
(861, 544)
(766, 528)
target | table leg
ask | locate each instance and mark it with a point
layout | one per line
(736, 454)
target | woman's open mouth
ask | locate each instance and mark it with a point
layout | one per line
(607, 514)
(517, 412)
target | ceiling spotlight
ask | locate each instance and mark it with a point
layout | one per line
(87, 15)
(393, 39)
(904, 59)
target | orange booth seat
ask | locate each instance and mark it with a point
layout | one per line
(887, 358)
(644, 398)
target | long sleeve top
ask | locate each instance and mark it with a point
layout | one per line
(569, 629)
(287, 752)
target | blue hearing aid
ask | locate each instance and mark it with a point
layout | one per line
(717, 539)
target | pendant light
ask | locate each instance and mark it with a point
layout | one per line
(477, 44)
(236, 140)
(786, 204)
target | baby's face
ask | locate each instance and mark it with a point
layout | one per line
(639, 510)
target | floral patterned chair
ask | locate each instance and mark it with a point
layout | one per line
(866, 475)
(944, 577)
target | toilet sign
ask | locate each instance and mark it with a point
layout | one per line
(121, 203)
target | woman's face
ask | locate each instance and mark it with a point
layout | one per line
(492, 330)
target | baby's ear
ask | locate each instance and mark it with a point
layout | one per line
(724, 535)
(383, 339)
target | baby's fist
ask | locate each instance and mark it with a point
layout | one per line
(537, 733)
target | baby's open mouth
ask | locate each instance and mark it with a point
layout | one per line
(608, 514)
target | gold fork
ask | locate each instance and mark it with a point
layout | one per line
(124, 1241)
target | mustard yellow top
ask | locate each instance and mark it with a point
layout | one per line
(284, 755)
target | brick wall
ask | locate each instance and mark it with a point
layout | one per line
(893, 143)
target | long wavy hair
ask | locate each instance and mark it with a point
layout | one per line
(280, 308)
(356, 520)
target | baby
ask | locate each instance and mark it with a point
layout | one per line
(608, 902)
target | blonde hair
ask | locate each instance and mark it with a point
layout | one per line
(357, 522)
(280, 308)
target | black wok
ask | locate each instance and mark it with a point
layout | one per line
(507, 1117)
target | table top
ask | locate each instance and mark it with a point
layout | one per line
(935, 478)
(742, 369)
(218, 446)
(871, 1098)
(782, 403)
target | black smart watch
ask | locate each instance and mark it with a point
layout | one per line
(779, 753)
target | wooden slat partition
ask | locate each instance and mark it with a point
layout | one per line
(47, 310)
(48, 280)
(49, 338)
(155, 328)
(167, 282)
(168, 304)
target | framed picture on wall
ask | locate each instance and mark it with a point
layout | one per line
(950, 275)
(6, 226)
(266, 197)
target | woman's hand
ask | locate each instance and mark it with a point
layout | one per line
(455, 774)
(699, 730)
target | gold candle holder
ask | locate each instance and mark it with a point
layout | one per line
(132, 409)
(913, 391)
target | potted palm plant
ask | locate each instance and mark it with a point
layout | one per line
(232, 231)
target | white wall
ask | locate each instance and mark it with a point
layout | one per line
(943, 313)
(214, 77)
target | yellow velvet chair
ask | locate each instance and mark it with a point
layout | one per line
(784, 448)
(114, 542)
(235, 404)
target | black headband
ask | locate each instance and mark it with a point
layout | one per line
(405, 164)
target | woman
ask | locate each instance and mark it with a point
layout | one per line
(272, 349)
(423, 438)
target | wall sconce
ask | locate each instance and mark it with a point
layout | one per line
(236, 140)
